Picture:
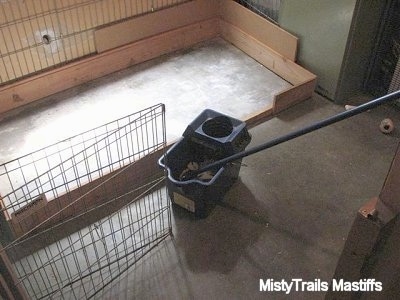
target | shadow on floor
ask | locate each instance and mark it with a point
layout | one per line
(217, 242)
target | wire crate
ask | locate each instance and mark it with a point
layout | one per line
(78, 214)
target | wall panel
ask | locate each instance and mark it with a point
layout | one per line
(38, 34)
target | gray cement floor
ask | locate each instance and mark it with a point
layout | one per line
(287, 216)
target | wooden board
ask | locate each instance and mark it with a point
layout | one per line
(259, 116)
(26, 91)
(265, 32)
(148, 25)
(360, 242)
(274, 61)
(294, 95)
(303, 81)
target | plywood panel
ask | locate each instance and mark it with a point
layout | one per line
(302, 80)
(135, 29)
(266, 32)
(265, 55)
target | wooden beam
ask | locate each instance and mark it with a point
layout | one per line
(133, 30)
(259, 28)
(39, 86)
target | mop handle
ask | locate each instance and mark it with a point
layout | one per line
(310, 128)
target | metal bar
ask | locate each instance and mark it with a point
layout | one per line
(310, 128)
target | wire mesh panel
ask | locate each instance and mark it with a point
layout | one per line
(269, 9)
(81, 212)
(38, 34)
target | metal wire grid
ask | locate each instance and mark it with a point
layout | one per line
(69, 164)
(38, 34)
(80, 263)
(269, 9)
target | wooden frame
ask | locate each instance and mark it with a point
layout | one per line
(176, 28)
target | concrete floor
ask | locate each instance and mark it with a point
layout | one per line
(287, 216)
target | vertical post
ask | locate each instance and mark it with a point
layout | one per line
(9, 284)
(9, 287)
(6, 234)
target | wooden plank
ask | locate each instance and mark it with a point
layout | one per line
(155, 23)
(280, 65)
(303, 81)
(360, 242)
(259, 116)
(26, 91)
(264, 31)
(294, 95)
